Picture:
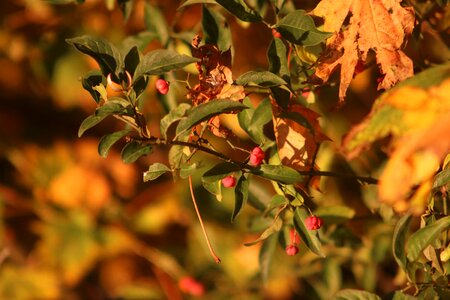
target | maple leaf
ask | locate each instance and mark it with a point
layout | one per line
(377, 25)
(298, 136)
(420, 139)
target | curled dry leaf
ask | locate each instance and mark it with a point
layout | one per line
(380, 26)
(420, 141)
(215, 79)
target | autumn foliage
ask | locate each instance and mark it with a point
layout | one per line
(225, 149)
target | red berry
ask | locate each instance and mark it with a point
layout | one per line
(191, 286)
(162, 86)
(291, 250)
(295, 239)
(256, 156)
(275, 33)
(313, 222)
(229, 181)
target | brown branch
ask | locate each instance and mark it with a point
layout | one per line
(243, 165)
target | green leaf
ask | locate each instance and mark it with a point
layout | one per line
(299, 28)
(425, 236)
(241, 196)
(108, 140)
(214, 188)
(113, 108)
(88, 123)
(350, 294)
(282, 95)
(105, 54)
(159, 61)
(335, 214)
(155, 22)
(207, 110)
(215, 29)
(173, 116)
(441, 179)
(266, 254)
(310, 238)
(192, 2)
(188, 170)
(177, 156)
(211, 179)
(278, 173)
(261, 116)
(277, 59)
(132, 60)
(240, 10)
(133, 150)
(399, 240)
(219, 171)
(274, 227)
(90, 80)
(261, 78)
(245, 116)
(154, 171)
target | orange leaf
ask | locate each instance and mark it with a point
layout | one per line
(375, 25)
(296, 143)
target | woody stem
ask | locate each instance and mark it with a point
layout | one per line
(199, 147)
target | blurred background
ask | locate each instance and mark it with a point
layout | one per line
(76, 226)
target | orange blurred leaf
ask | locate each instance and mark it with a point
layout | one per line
(418, 120)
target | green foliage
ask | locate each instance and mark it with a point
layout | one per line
(107, 141)
(159, 61)
(105, 54)
(240, 10)
(133, 150)
(154, 171)
(310, 238)
(207, 110)
(299, 28)
(262, 78)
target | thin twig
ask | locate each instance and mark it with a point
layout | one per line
(208, 242)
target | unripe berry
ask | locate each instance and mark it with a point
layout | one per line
(191, 286)
(162, 86)
(229, 181)
(256, 156)
(291, 250)
(313, 222)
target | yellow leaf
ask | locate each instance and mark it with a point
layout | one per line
(417, 148)
(381, 26)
